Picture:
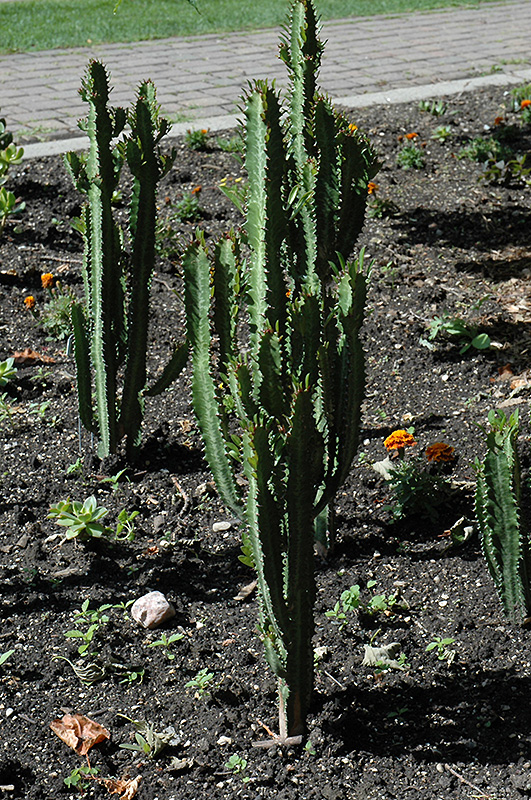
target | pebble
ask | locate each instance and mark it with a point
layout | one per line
(221, 526)
(152, 610)
(9, 711)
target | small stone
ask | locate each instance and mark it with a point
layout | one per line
(221, 526)
(152, 610)
(10, 712)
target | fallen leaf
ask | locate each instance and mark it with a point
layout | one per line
(246, 591)
(79, 732)
(126, 789)
(29, 356)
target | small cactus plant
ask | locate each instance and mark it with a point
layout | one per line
(111, 333)
(278, 368)
(506, 542)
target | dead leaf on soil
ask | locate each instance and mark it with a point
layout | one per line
(29, 356)
(246, 591)
(79, 732)
(126, 789)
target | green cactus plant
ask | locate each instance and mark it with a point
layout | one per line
(111, 333)
(506, 542)
(278, 368)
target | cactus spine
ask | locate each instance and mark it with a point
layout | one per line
(112, 333)
(506, 545)
(283, 409)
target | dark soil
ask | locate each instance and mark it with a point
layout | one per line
(435, 730)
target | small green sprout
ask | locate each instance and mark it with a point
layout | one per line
(7, 371)
(5, 656)
(125, 528)
(80, 519)
(165, 642)
(80, 777)
(237, 765)
(201, 682)
(410, 157)
(444, 652)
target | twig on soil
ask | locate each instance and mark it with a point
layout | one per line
(185, 497)
(337, 683)
(481, 796)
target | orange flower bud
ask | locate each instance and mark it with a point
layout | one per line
(372, 187)
(47, 280)
(525, 104)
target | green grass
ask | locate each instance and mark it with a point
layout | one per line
(42, 24)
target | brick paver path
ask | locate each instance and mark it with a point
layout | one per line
(198, 77)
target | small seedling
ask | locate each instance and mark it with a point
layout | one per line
(6, 410)
(435, 107)
(133, 676)
(381, 207)
(114, 480)
(482, 149)
(147, 740)
(165, 642)
(197, 140)
(444, 653)
(80, 519)
(124, 606)
(95, 618)
(454, 326)
(56, 316)
(7, 371)
(187, 209)
(125, 528)
(5, 656)
(201, 682)
(80, 777)
(442, 133)
(238, 766)
(75, 470)
(410, 157)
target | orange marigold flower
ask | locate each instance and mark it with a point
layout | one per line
(204, 131)
(440, 452)
(196, 190)
(412, 135)
(371, 187)
(352, 127)
(499, 120)
(525, 103)
(47, 280)
(398, 440)
(29, 302)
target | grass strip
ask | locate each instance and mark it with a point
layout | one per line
(29, 25)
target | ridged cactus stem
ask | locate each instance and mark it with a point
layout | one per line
(113, 333)
(506, 542)
(279, 413)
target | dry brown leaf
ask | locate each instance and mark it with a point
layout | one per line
(29, 356)
(246, 591)
(79, 732)
(512, 401)
(126, 789)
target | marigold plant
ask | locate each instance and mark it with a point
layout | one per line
(398, 440)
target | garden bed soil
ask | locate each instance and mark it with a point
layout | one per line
(435, 730)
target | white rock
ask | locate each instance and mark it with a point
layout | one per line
(152, 610)
(221, 526)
